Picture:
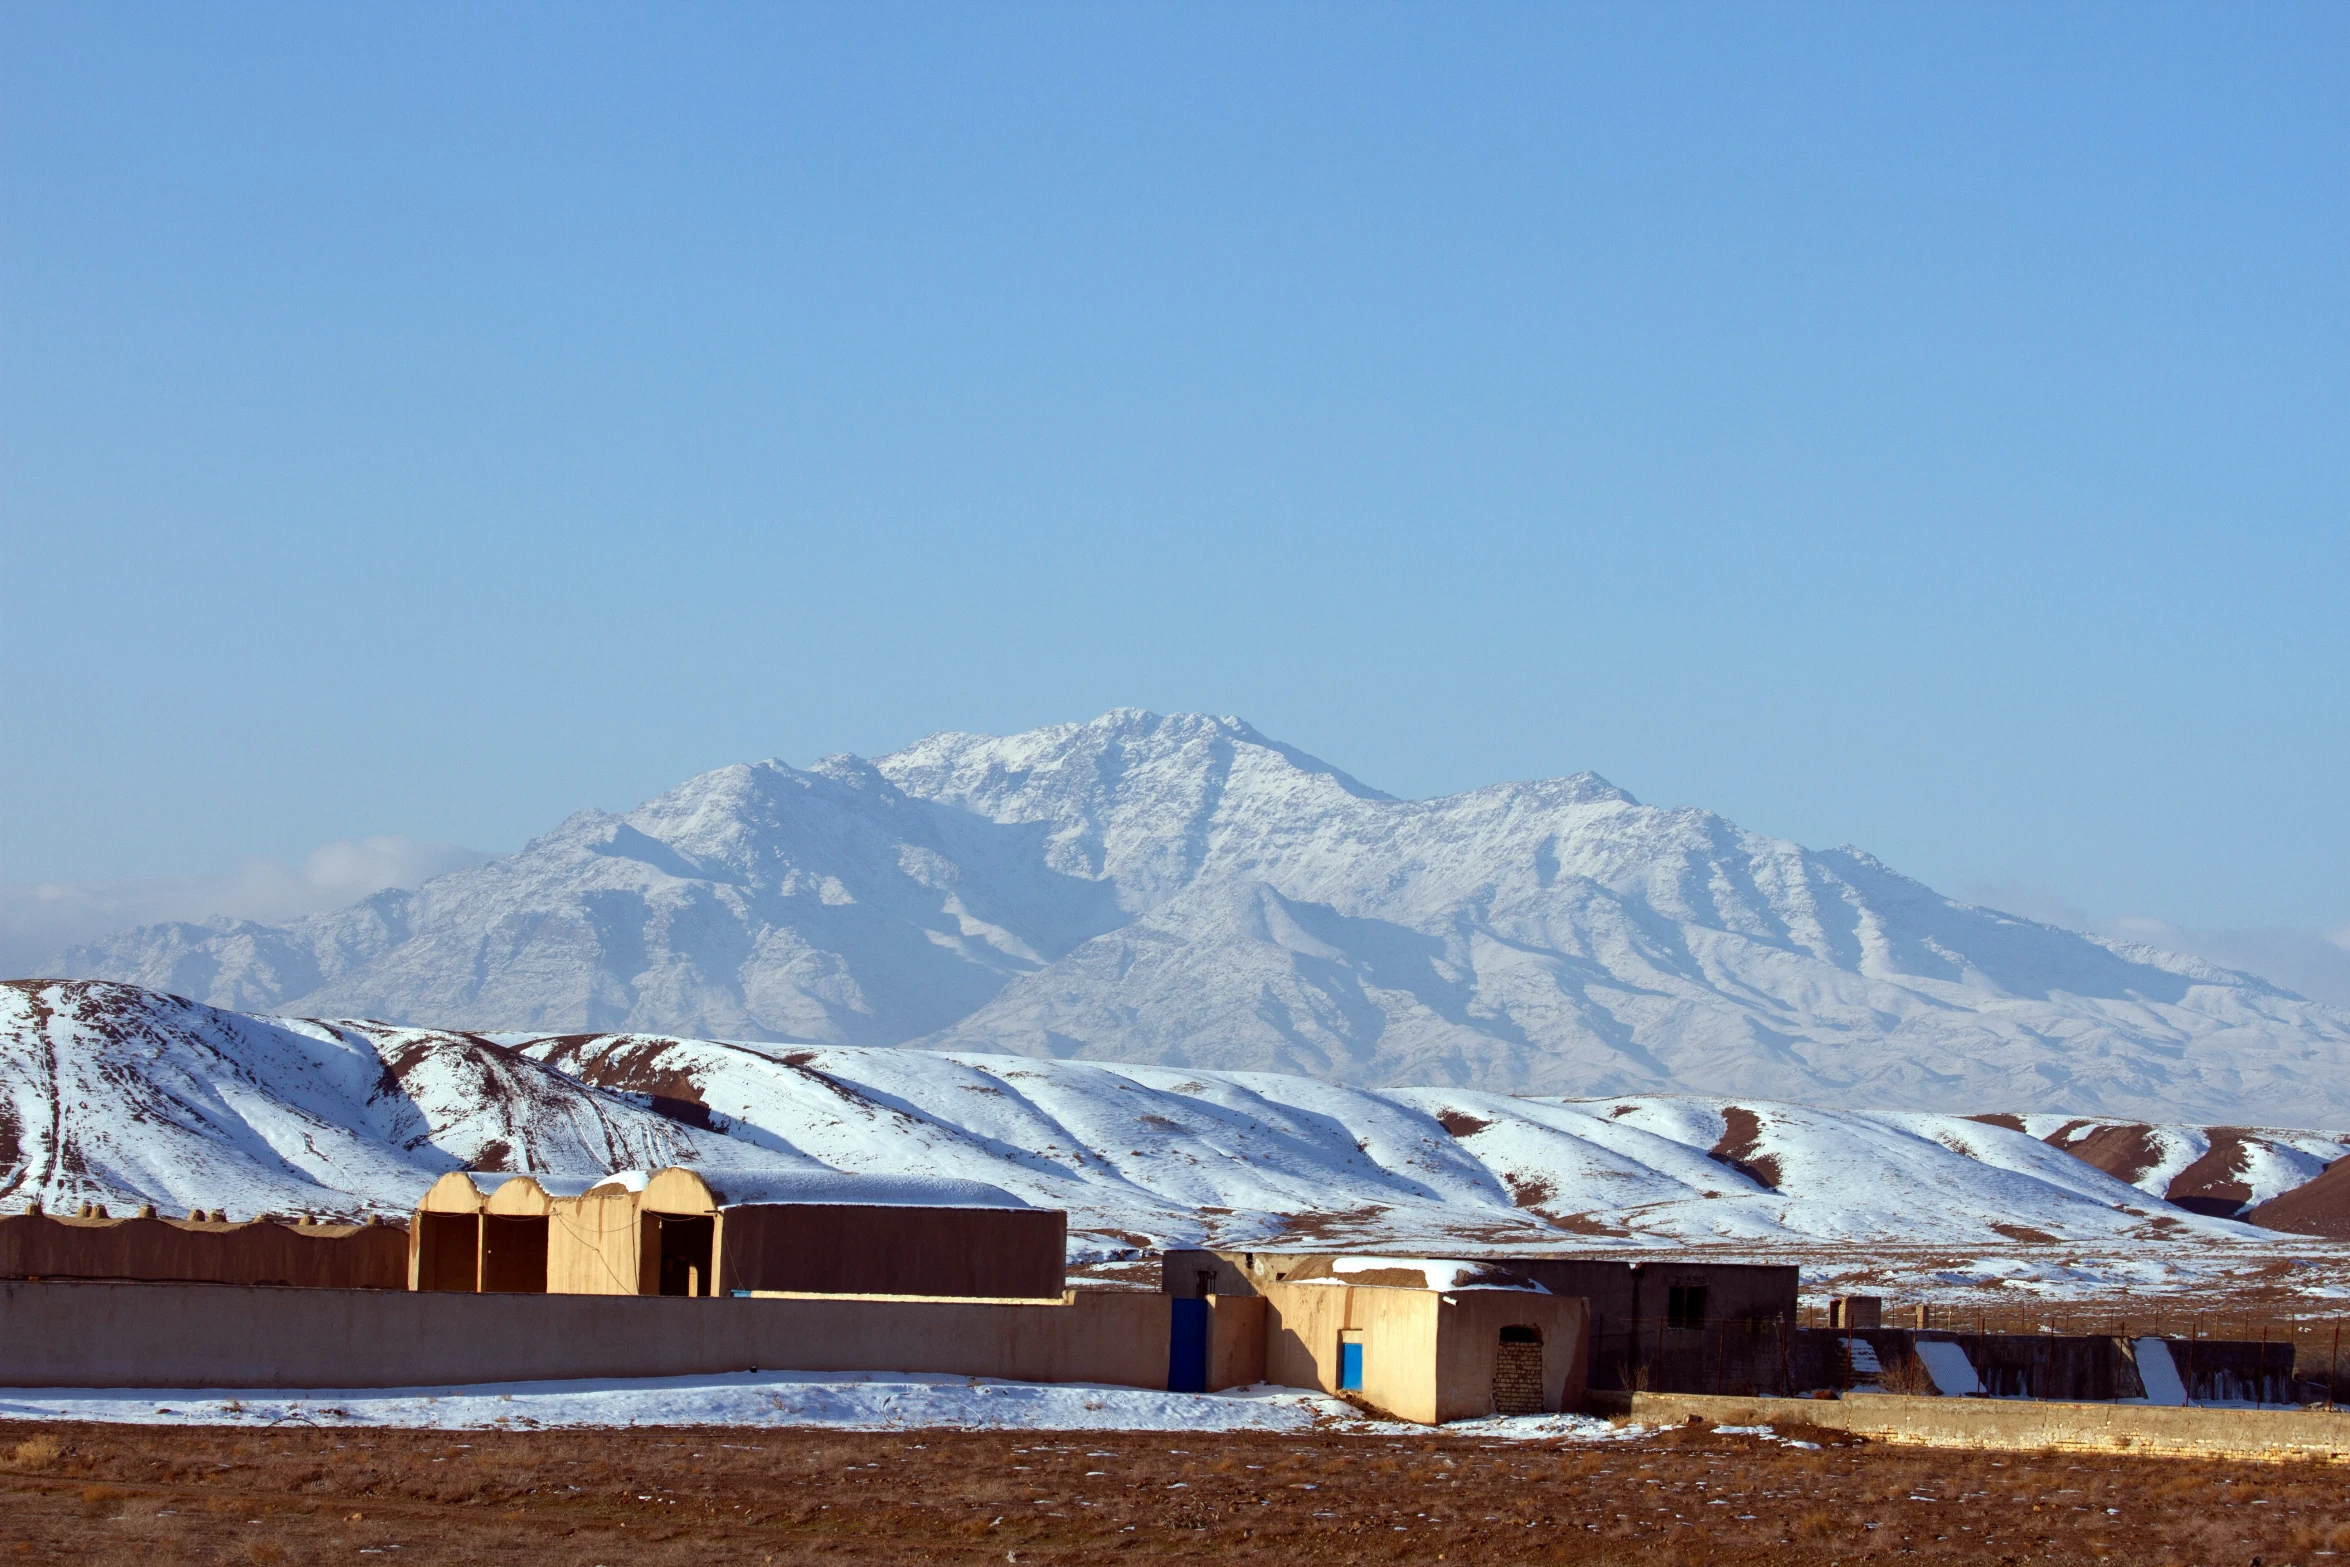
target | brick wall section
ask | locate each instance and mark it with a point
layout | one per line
(1517, 1380)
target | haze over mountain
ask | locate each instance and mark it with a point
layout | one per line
(1185, 892)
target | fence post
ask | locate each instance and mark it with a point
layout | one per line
(1721, 1350)
(2334, 1367)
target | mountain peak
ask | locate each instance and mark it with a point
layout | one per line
(1184, 890)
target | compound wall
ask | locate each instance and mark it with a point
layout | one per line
(181, 1335)
(320, 1256)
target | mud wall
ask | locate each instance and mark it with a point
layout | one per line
(1306, 1323)
(595, 1246)
(1749, 1357)
(190, 1335)
(845, 1249)
(1427, 1356)
(317, 1256)
(1236, 1341)
(1468, 1344)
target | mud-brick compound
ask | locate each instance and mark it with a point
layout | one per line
(702, 1233)
(1415, 1338)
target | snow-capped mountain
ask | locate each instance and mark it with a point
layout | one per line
(114, 1094)
(1186, 892)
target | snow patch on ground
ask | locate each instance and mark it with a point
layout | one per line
(869, 1401)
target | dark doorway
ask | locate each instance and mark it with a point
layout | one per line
(513, 1255)
(685, 1255)
(1517, 1372)
(448, 1251)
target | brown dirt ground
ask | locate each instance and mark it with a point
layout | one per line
(131, 1494)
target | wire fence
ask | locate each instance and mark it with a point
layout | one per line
(2319, 1343)
(2091, 1356)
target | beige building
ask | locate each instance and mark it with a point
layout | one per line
(685, 1232)
(1415, 1338)
(1427, 1341)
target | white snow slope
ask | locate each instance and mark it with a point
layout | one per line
(114, 1094)
(1185, 892)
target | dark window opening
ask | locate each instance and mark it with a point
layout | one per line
(685, 1255)
(1520, 1335)
(513, 1255)
(448, 1251)
(1685, 1306)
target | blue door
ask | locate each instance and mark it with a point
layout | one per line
(1350, 1367)
(1187, 1347)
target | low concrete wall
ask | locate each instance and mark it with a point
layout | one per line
(2020, 1425)
(177, 1335)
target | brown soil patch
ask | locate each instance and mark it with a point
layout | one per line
(1344, 1225)
(1740, 1147)
(1586, 1224)
(2123, 1152)
(2318, 1207)
(2215, 1184)
(143, 1495)
(1528, 1191)
(1460, 1123)
(2014, 1123)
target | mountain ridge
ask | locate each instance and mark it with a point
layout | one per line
(117, 1095)
(1186, 891)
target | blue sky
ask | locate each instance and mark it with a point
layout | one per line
(1923, 427)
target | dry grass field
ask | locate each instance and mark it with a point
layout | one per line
(152, 1495)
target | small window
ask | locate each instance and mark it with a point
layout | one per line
(1520, 1335)
(1685, 1306)
(1350, 1362)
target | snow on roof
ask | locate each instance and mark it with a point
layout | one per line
(1435, 1274)
(734, 1188)
(556, 1185)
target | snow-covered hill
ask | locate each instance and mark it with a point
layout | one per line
(114, 1094)
(1185, 892)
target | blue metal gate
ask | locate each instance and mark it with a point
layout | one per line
(1187, 1347)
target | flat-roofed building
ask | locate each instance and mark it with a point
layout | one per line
(1424, 1340)
(1661, 1322)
